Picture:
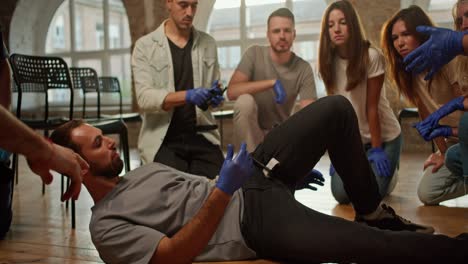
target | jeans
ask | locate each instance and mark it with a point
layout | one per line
(458, 153)
(386, 184)
(278, 227)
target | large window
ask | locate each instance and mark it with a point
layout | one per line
(440, 11)
(238, 24)
(93, 33)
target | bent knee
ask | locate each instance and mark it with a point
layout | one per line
(339, 101)
(339, 193)
(428, 197)
(245, 104)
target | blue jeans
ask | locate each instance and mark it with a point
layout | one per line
(458, 153)
(386, 184)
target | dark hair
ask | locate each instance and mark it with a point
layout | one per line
(281, 12)
(412, 16)
(357, 45)
(62, 135)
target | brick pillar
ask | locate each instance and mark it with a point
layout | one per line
(7, 7)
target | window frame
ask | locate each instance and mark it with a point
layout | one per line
(103, 55)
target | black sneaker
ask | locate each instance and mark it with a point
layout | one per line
(391, 221)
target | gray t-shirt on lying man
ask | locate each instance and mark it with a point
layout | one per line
(155, 201)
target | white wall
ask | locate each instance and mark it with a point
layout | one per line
(29, 25)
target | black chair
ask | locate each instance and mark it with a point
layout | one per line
(38, 75)
(112, 85)
(86, 79)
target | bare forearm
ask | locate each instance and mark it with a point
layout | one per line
(173, 100)
(374, 127)
(188, 242)
(423, 114)
(18, 138)
(238, 88)
(374, 88)
(441, 144)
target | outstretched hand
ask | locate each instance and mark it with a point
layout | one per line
(235, 172)
(426, 127)
(442, 46)
(438, 131)
(64, 161)
(313, 177)
(379, 158)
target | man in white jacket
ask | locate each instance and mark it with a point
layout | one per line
(168, 64)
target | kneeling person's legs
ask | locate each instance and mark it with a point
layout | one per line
(246, 125)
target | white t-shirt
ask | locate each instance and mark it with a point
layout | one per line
(389, 126)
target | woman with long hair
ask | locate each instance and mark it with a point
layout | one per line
(351, 67)
(399, 38)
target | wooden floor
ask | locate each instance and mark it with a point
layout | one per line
(41, 230)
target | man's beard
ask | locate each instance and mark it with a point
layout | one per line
(113, 170)
(281, 50)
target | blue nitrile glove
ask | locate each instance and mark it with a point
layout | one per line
(279, 92)
(380, 159)
(442, 46)
(313, 177)
(235, 172)
(332, 170)
(439, 131)
(197, 96)
(216, 100)
(216, 94)
(426, 126)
